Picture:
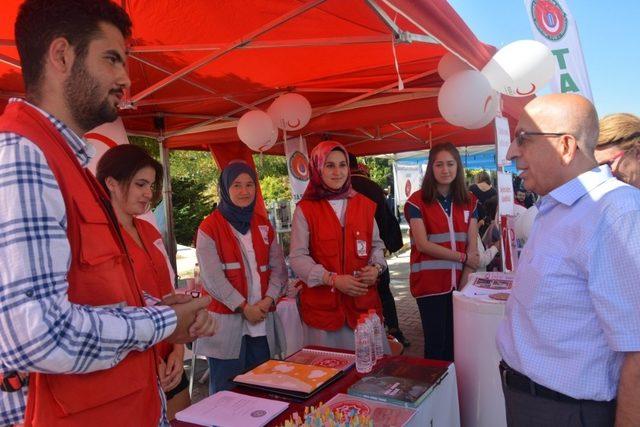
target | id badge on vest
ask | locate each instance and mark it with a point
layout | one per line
(466, 217)
(361, 248)
(264, 232)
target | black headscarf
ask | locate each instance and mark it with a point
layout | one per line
(239, 218)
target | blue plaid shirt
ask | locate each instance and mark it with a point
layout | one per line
(40, 330)
(575, 306)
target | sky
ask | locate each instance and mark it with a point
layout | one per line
(609, 33)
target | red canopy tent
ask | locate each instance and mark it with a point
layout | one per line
(197, 66)
(200, 65)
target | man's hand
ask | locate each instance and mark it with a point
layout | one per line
(368, 275)
(350, 286)
(627, 409)
(193, 319)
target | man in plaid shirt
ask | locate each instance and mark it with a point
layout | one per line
(73, 63)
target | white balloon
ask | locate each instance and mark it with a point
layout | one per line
(450, 64)
(257, 130)
(490, 113)
(520, 68)
(466, 98)
(290, 111)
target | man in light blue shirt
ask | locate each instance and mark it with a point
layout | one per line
(570, 340)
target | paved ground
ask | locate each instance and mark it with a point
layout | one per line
(408, 314)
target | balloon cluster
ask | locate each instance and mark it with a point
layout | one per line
(470, 99)
(259, 130)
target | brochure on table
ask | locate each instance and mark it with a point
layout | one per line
(483, 284)
(399, 383)
(229, 409)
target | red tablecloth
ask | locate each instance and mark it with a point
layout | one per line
(340, 386)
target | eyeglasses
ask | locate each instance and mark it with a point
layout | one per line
(520, 137)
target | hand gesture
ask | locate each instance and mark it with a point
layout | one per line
(167, 381)
(368, 275)
(193, 319)
(265, 304)
(254, 313)
(350, 286)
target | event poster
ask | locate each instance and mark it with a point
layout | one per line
(407, 179)
(503, 140)
(552, 24)
(297, 165)
(505, 193)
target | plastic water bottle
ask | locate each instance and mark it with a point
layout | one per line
(363, 346)
(377, 335)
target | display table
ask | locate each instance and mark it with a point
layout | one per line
(439, 409)
(287, 310)
(476, 321)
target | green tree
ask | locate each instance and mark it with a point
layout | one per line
(270, 165)
(275, 188)
(379, 170)
(194, 178)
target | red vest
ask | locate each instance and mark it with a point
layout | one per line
(429, 275)
(228, 248)
(150, 267)
(342, 251)
(100, 274)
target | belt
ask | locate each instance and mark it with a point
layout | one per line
(514, 380)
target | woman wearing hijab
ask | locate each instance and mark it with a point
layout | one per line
(133, 180)
(336, 251)
(242, 268)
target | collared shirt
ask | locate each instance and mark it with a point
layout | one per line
(575, 305)
(39, 327)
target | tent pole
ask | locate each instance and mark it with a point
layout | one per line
(169, 234)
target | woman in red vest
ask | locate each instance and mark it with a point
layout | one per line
(242, 267)
(336, 251)
(443, 219)
(133, 180)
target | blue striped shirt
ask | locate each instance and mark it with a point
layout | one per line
(40, 330)
(575, 306)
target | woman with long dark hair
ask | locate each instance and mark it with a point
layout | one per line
(443, 220)
(243, 269)
(336, 251)
(133, 180)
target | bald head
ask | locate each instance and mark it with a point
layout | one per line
(567, 113)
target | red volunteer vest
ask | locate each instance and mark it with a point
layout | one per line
(429, 275)
(340, 251)
(99, 274)
(150, 267)
(228, 248)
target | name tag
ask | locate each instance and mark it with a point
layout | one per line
(264, 232)
(361, 247)
(466, 216)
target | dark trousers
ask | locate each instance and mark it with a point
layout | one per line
(253, 351)
(526, 410)
(436, 313)
(388, 302)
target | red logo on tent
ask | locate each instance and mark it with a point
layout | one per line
(407, 188)
(299, 166)
(549, 18)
